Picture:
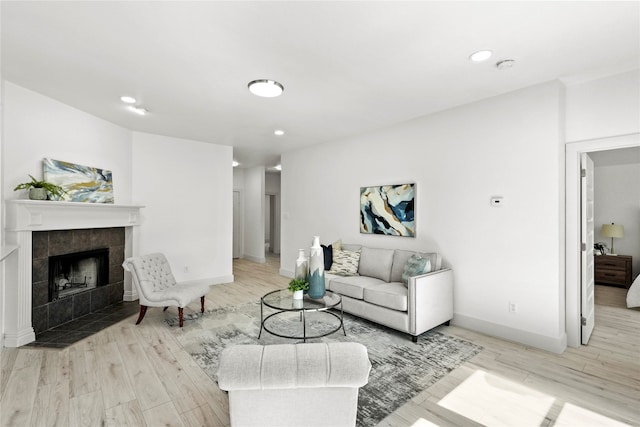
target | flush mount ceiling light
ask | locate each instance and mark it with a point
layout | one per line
(266, 88)
(235, 163)
(506, 64)
(278, 132)
(481, 55)
(278, 167)
(128, 99)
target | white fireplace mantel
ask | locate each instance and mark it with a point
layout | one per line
(37, 215)
(23, 217)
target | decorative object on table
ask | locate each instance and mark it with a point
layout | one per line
(302, 266)
(298, 286)
(388, 209)
(614, 231)
(599, 248)
(81, 183)
(401, 369)
(39, 190)
(316, 270)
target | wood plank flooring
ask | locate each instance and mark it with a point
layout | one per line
(130, 375)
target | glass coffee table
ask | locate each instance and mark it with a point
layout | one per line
(282, 301)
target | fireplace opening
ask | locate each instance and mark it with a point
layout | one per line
(77, 272)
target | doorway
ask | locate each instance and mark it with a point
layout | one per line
(573, 252)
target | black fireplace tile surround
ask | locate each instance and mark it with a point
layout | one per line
(49, 315)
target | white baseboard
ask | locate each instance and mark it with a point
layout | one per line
(260, 260)
(555, 345)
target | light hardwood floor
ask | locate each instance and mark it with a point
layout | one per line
(139, 375)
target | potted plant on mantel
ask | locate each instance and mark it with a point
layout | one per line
(39, 190)
(298, 286)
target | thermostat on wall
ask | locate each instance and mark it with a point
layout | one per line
(497, 201)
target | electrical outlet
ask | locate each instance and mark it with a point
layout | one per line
(513, 307)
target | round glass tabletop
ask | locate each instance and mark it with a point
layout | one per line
(282, 299)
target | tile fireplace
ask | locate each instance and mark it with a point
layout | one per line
(40, 229)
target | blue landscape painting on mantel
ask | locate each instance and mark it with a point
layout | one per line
(80, 183)
(388, 209)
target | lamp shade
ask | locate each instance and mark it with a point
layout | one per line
(612, 230)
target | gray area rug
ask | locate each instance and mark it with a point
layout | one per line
(400, 368)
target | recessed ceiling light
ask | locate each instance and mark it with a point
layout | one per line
(278, 167)
(128, 99)
(506, 64)
(278, 132)
(235, 163)
(266, 88)
(481, 55)
(139, 110)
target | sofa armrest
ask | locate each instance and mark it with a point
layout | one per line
(430, 300)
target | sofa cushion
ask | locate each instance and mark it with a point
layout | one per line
(376, 263)
(400, 258)
(345, 263)
(391, 295)
(415, 266)
(353, 286)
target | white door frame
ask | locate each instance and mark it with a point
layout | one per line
(573, 151)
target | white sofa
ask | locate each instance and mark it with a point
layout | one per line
(378, 294)
(314, 384)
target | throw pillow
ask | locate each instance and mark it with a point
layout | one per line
(328, 256)
(337, 244)
(345, 263)
(415, 266)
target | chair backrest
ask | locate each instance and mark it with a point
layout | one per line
(151, 273)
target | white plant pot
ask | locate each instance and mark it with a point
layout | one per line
(298, 294)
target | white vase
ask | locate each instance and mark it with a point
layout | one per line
(298, 294)
(316, 270)
(302, 266)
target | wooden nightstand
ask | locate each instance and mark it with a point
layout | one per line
(613, 270)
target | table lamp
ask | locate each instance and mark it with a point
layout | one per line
(612, 230)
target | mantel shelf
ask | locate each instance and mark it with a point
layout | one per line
(37, 215)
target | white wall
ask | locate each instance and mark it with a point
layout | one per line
(254, 191)
(186, 188)
(617, 199)
(603, 108)
(508, 146)
(36, 127)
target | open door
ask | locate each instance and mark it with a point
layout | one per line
(587, 284)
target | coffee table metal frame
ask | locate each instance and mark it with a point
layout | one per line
(285, 304)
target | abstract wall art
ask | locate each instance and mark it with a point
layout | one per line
(388, 209)
(81, 183)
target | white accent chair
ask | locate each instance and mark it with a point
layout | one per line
(157, 287)
(313, 384)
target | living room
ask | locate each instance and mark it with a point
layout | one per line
(510, 145)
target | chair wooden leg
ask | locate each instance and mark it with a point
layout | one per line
(180, 316)
(202, 304)
(143, 311)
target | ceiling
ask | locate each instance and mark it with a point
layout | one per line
(347, 67)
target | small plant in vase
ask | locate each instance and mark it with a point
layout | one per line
(298, 286)
(38, 190)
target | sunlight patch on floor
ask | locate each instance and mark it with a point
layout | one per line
(572, 415)
(491, 400)
(423, 423)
